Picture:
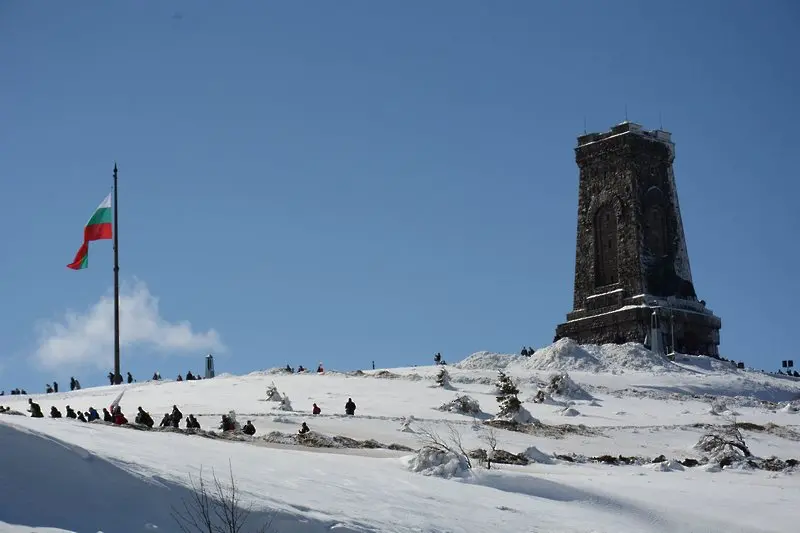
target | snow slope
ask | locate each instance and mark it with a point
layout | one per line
(639, 407)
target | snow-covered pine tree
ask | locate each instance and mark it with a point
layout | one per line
(507, 395)
(443, 378)
(286, 404)
(272, 393)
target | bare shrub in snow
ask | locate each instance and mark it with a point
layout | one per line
(724, 446)
(272, 393)
(405, 424)
(443, 378)
(285, 405)
(215, 507)
(463, 404)
(718, 407)
(452, 443)
(489, 436)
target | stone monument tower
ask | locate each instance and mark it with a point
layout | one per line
(632, 275)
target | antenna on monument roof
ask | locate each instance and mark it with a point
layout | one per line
(584, 124)
(626, 112)
(660, 123)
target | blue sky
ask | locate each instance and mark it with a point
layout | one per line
(358, 181)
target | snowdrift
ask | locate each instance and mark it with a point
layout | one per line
(59, 484)
(567, 355)
(63, 485)
(487, 361)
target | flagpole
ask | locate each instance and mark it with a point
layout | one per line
(117, 375)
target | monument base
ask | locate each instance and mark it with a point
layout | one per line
(694, 328)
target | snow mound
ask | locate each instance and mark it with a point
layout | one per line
(466, 405)
(566, 354)
(522, 416)
(434, 462)
(535, 455)
(720, 408)
(667, 466)
(569, 411)
(65, 479)
(487, 361)
(789, 408)
(560, 384)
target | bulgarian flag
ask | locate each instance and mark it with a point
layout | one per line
(98, 228)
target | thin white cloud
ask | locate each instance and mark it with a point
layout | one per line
(87, 339)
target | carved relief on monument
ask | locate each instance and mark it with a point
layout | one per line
(605, 246)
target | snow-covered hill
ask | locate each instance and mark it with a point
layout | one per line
(361, 473)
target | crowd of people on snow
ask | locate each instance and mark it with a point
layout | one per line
(171, 419)
(189, 377)
(301, 369)
(14, 392)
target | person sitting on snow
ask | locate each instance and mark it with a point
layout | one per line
(176, 416)
(189, 376)
(81, 417)
(107, 416)
(119, 418)
(227, 424)
(166, 421)
(350, 407)
(92, 414)
(316, 410)
(301, 369)
(70, 412)
(54, 412)
(144, 418)
(48, 389)
(304, 429)
(249, 429)
(192, 423)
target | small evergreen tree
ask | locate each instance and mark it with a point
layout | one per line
(272, 393)
(507, 395)
(443, 378)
